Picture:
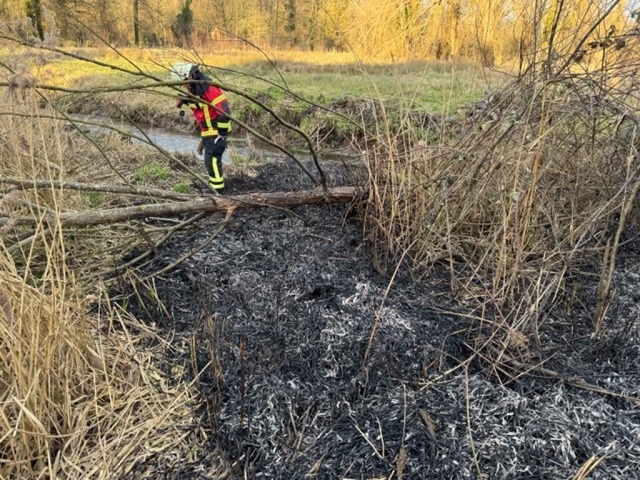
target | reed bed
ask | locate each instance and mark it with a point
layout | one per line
(84, 390)
(521, 196)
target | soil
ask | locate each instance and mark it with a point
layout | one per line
(315, 365)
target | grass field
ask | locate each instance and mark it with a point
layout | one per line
(437, 87)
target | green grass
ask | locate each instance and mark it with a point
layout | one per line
(182, 187)
(95, 199)
(438, 87)
(430, 86)
(151, 172)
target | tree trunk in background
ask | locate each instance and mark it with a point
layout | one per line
(34, 12)
(291, 23)
(136, 23)
(183, 24)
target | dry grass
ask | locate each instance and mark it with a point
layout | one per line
(80, 398)
(82, 395)
(43, 146)
(517, 196)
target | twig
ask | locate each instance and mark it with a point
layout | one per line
(378, 319)
(366, 437)
(197, 249)
(166, 237)
(469, 427)
(576, 381)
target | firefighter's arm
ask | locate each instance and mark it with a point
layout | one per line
(184, 100)
(223, 123)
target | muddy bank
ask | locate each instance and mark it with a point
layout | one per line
(312, 365)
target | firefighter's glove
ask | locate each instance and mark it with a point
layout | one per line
(200, 147)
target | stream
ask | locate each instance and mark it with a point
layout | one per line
(239, 148)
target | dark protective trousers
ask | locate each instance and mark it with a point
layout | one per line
(213, 161)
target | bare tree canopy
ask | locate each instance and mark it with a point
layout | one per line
(488, 31)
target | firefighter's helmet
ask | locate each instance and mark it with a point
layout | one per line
(183, 71)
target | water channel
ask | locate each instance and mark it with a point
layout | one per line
(239, 148)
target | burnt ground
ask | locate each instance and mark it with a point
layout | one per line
(278, 314)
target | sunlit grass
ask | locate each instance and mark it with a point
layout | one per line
(436, 90)
(320, 77)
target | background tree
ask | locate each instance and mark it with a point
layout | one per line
(111, 25)
(290, 25)
(333, 24)
(491, 31)
(183, 25)
(34, 12)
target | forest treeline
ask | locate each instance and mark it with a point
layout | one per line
(491, 31)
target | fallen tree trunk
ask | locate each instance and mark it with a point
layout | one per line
(213, 203)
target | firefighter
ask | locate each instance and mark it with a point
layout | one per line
(213, 120)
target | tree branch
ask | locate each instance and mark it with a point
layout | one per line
(213, 203)
(94, 187)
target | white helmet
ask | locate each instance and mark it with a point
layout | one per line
(181, 71)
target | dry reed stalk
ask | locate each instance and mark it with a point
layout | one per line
(588, 468)
(78, 401)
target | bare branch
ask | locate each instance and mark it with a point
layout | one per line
(94, 187)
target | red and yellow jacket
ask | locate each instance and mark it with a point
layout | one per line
(213, 121)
